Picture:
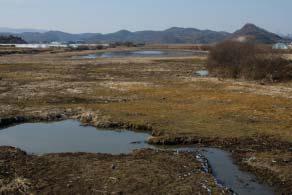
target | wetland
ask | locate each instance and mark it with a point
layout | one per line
(162, 96)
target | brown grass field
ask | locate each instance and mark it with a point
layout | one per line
(157, 94)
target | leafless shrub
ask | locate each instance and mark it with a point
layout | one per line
(248, 61)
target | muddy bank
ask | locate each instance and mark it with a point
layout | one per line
(241, 148)
(265, 156)
(142, 172)
(42, 116)
(255, 143)
(96, 119)
(272, 167)
(9, 121)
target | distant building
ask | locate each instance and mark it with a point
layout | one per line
(280, 46)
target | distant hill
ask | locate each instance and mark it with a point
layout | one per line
(52, 36)
(172, 35)
(11, 40)
(257, 34)
(289, 36)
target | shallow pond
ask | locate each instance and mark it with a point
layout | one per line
(202, 73)
(70, 136)
(143, 53)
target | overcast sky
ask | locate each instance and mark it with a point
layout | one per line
(105, 16)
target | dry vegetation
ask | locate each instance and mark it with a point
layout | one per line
(161, 95)
(143, 172)
(248, 61)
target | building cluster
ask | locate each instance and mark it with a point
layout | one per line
(283, 46)
(55, 45)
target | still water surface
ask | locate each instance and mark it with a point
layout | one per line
(70, 136)
(143, 53)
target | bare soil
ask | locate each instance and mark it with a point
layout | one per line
(143, 172)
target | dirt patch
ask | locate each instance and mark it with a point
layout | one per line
(125, 86)
(276, 90)
(143, 172)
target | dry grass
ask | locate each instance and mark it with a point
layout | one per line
(160, 92)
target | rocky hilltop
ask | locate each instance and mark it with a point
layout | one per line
(257, 34)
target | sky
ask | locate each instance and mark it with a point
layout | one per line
(105, 16)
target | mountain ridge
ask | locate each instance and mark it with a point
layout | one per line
(170, 35)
